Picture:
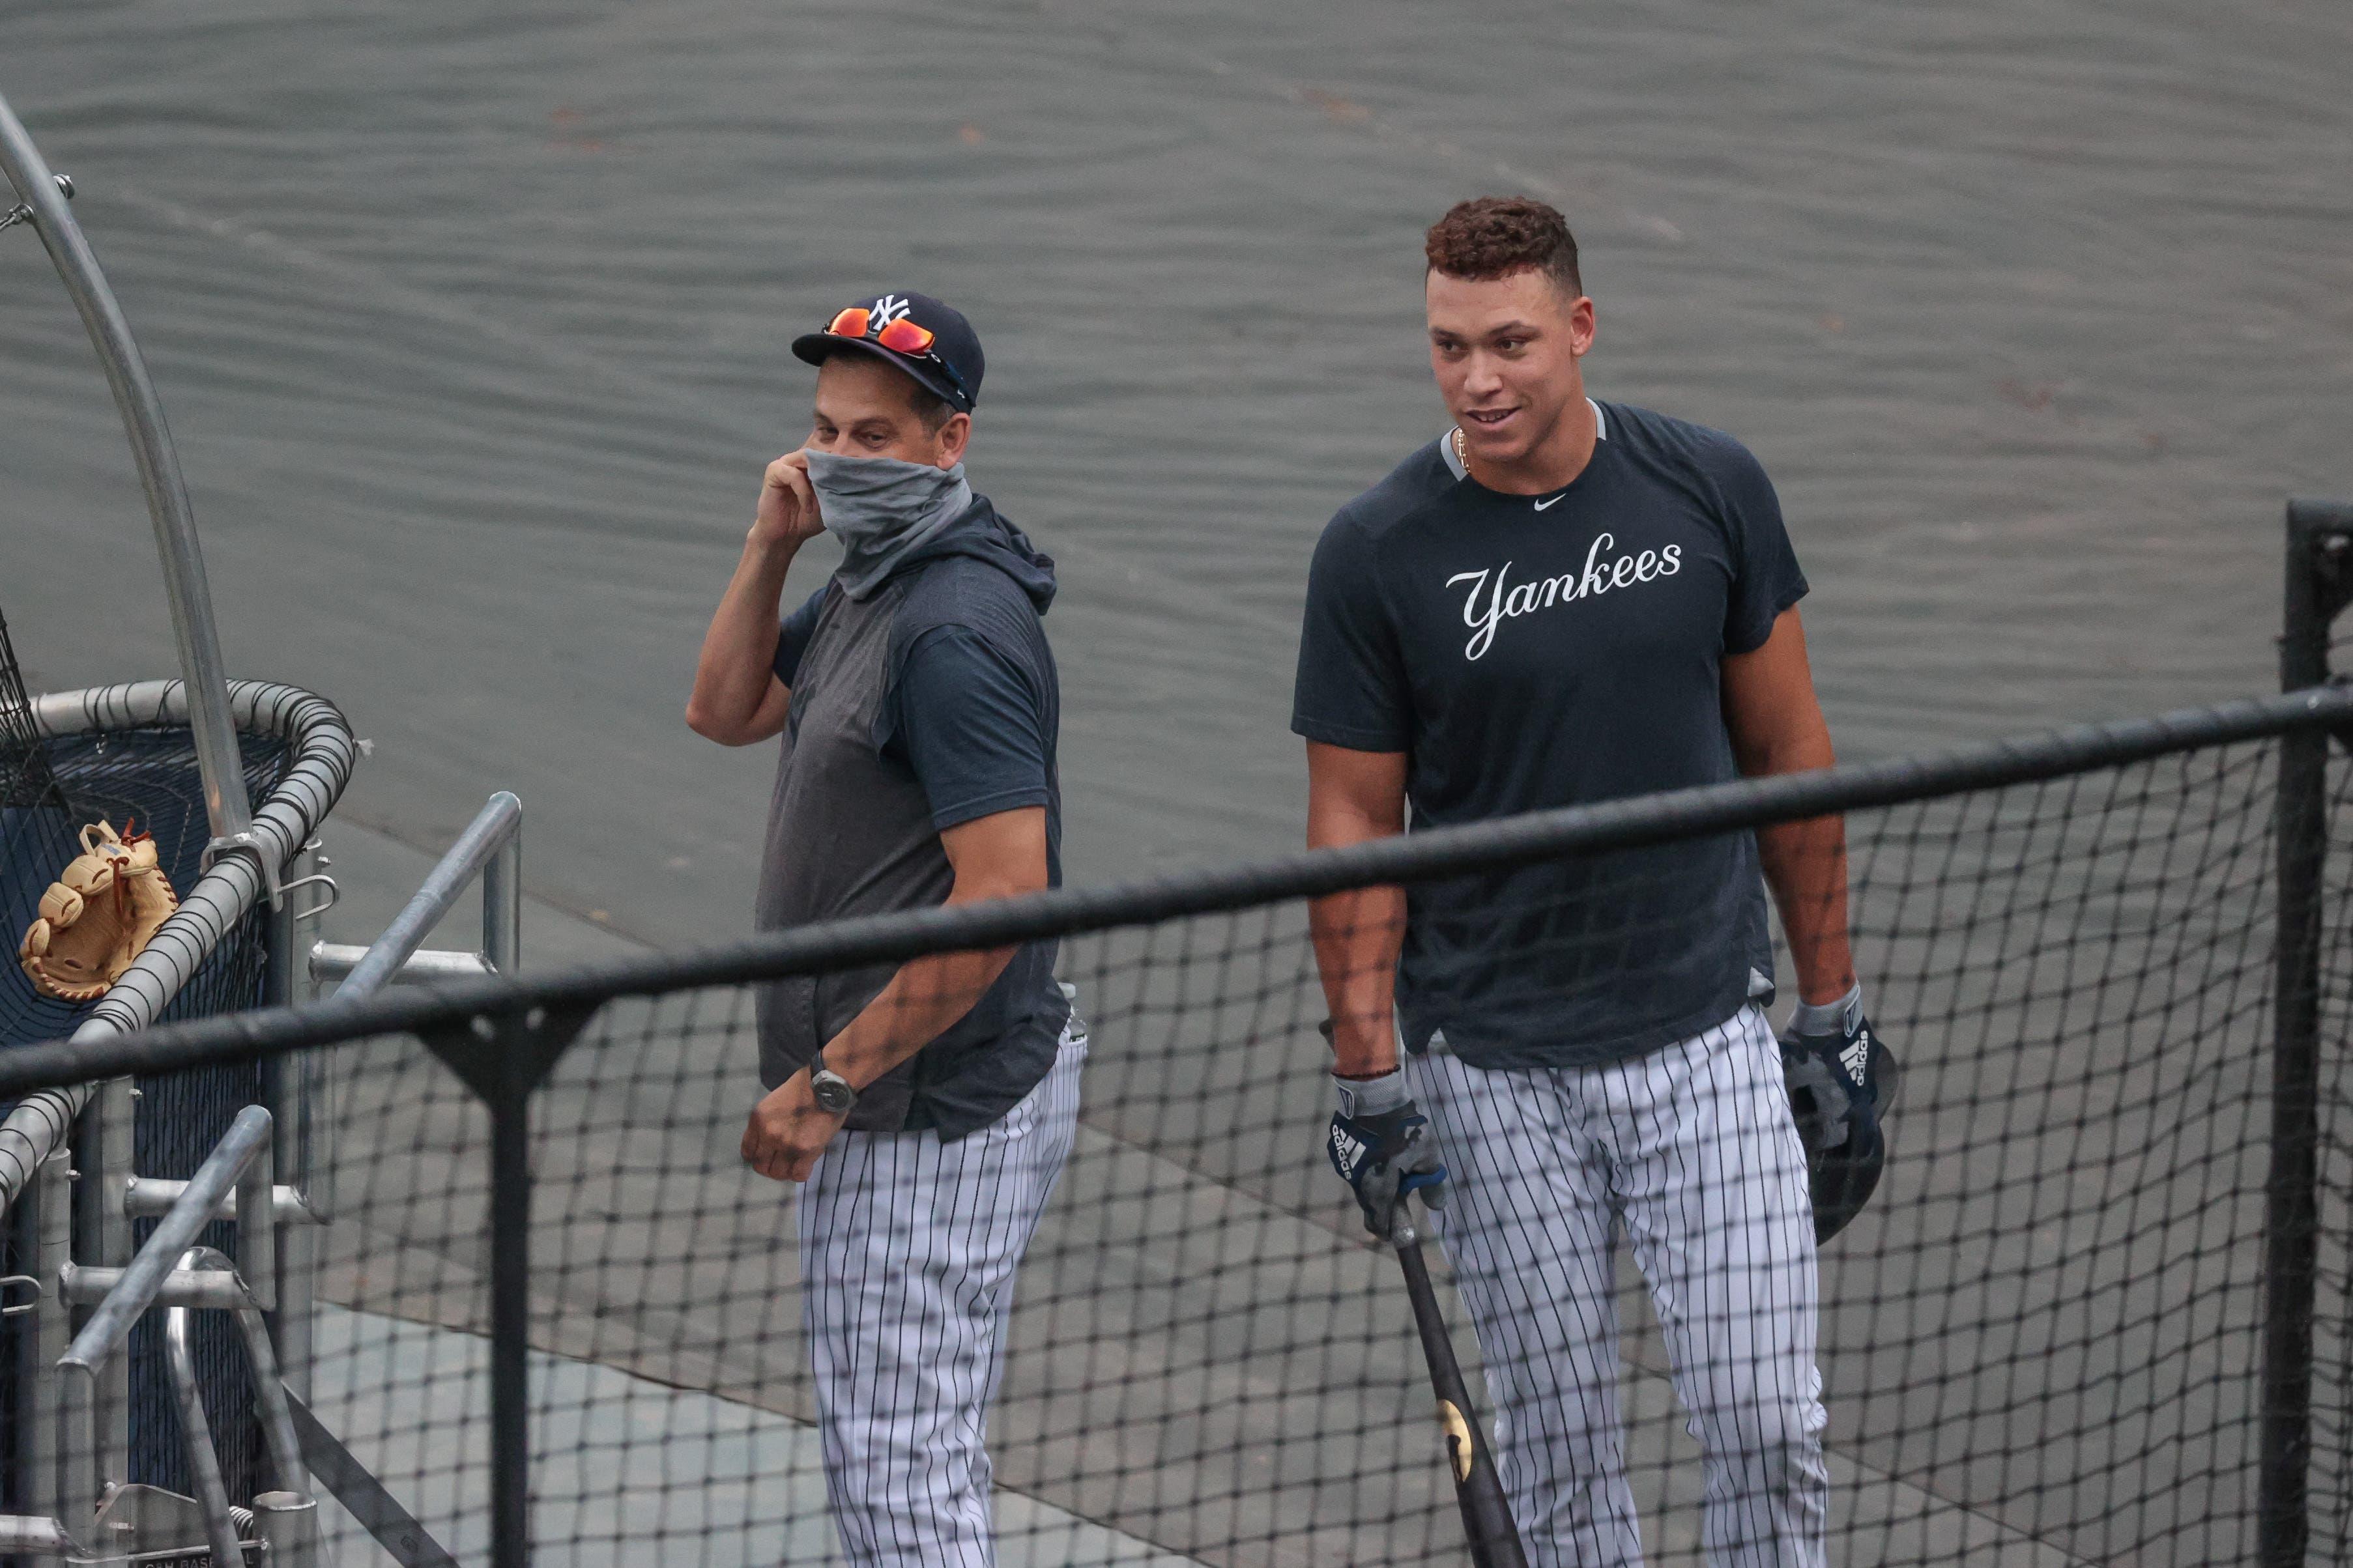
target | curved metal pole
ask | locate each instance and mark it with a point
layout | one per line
(217, 759)
(196, 1435)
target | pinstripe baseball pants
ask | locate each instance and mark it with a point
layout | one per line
(1691, 1149)
(908, 1248)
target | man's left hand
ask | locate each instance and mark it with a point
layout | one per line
(788, 1131)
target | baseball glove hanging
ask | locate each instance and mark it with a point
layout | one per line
(97, 915)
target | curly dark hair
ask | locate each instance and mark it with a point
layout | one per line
(1494, 236)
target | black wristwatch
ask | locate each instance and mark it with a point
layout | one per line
(829, 1089)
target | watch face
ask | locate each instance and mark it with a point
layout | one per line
(832, 1091)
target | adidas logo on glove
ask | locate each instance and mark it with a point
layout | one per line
(1856, 1058)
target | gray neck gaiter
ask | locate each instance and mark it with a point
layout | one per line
(883, 511)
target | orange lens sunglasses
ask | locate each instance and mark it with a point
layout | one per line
(901, 336)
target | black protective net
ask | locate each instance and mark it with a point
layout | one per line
(2038, 1343)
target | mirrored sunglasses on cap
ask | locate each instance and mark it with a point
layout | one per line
(899, 335)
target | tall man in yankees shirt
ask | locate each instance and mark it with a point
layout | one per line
(1564, 600)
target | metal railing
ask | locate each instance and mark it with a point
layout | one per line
(491, 848)
(502, 1036)
(75, 1429)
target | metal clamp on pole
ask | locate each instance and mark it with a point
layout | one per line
(21, 213)
(491, 848)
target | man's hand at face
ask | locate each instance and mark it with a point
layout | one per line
(787, 1131)
(788, 514)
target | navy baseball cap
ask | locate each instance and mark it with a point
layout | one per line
(930, 340)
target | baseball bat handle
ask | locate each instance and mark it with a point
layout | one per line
(1487, 1515)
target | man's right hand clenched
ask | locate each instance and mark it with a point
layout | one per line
(787, 515)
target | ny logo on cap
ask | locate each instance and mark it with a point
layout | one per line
(887, 309)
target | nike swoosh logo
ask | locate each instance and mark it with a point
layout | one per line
(1554, 502)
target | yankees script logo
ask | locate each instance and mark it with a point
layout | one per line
(1502, 604)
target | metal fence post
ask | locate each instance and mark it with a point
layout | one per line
(288, 1087)
(502, 1058)
(2319, 586)
(502, 904)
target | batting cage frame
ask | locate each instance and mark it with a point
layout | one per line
(147, 1328)
(530, 1264)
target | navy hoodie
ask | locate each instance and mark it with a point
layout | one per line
(932, 702)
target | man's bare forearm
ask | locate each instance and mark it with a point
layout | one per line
(731, 677)
(1356, 936)
(1000, 856)
(924, 1000)
(1805, 865)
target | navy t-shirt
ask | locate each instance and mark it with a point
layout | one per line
(972, 709)
(981, 744)
(1529, 652)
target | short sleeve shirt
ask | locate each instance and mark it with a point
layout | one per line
(1529, 652)
(962, 711)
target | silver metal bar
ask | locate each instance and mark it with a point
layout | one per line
(288, 1524)
(196, 1435)
(247, 1138)
(210, 1291)
(147, 1196)
(503, 902)
(499, 821)
(335, 959)
(109, 1128)
(285, 1444)
(256, 1243)
(78, 1482)
(51, 1327)
(379, 1512)
(217, 759)
(289, 1080)
(278, 1428)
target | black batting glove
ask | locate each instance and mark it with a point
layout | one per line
(1382, 1146)
(1842, 1082)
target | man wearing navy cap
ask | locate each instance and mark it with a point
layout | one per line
(925, 1108)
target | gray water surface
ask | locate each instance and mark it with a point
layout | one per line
(472, 329)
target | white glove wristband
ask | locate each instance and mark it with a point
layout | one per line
(1371, 1096)
(1828, 1017)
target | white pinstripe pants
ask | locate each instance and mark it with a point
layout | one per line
(908, 1248)
(1692, 1150)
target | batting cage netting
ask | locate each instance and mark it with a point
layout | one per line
(126, 763)
(2042, 1339)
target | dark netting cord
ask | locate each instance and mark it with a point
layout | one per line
(2332, 1373)
(2039, 1343)
(148, 773)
